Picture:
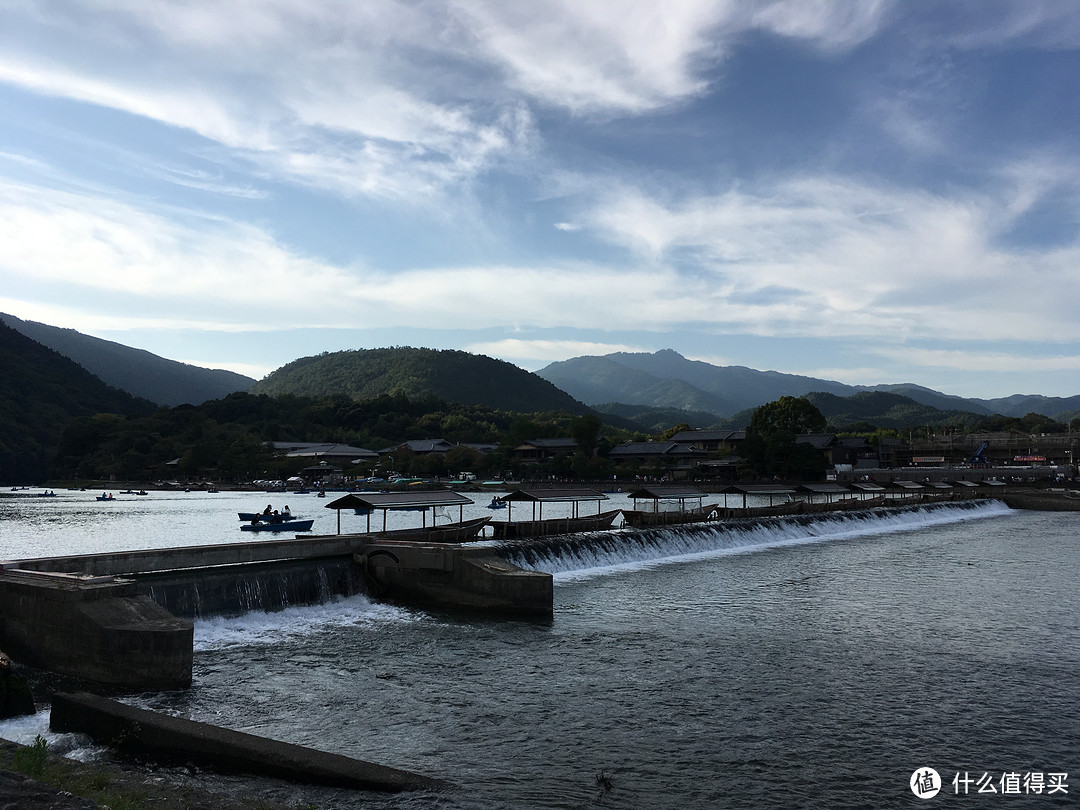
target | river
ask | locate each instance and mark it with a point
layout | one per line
(785, 664)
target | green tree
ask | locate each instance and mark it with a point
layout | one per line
(771, 447)
(585, 430)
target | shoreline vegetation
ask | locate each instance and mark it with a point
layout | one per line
(35, 778)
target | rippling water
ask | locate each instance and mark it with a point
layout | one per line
(798, 665)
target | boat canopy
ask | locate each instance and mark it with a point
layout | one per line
(399, 500)
(909, 485)
(667, 493)
(542, 496)
(828, 490)
(867, 486)
(769, 490)
(368, 502)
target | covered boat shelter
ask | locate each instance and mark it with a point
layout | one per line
(866, 489)
(772, 491)
(963, 482)
(828, 491)
(368, 502)
(667, 493)
(538, 497)
(907, 486)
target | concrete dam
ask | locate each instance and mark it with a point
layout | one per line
(123, 619)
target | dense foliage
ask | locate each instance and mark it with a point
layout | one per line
(453, 376)
(771, 446)
(42, 393)
(226, 439)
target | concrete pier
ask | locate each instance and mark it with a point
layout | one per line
(163, 737)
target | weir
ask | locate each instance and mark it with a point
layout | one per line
(123, 619)
(575, 552)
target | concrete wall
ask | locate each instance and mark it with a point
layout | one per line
(453, 577)
(72, 615)
(99, 631)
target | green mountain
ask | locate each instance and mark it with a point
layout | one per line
(42, 394)
(885, 410)
(140, 373)
(666, 379)
(453, 376)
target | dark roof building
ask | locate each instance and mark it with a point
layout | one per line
(535, 451)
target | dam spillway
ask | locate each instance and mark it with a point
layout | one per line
(82, 614)
(123, 619)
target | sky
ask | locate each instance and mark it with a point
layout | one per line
(870, 192)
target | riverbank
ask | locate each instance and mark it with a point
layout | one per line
(33, 778)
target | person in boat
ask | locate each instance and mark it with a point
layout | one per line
(286, 513)
(268, 511)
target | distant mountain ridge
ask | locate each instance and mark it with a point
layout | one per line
(139, 372)
(448, 374)
(44, 392)
(666, 379)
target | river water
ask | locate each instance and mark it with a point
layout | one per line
(779, 664)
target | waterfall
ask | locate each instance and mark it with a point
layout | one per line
(233, 590)
(570, 554)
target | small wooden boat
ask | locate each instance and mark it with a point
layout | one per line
(282, 526)
(568, 525)
(262, 517)
(461, 532)
(695, 515)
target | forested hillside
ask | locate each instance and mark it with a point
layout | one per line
(41, 395)
(450, 375)
(139, 372)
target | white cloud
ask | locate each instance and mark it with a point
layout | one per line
(827, 256)
(831, 24)
(321, 94)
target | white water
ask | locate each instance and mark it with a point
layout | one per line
(259, 629)
(601, 553)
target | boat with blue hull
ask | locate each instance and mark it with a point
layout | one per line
(280, 526)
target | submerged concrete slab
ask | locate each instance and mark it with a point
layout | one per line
(161, 736)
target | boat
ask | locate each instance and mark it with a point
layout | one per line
(281, 526)
(461, 532)
(567, 525)
(496, 504)
(697, 514)
(106, 498)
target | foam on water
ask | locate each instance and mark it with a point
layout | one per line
(25, 730)
(261, 628)
(594, 554)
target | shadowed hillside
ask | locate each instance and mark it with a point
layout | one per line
(42, 393)
(136, 371)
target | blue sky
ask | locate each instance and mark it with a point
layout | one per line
(871, 192)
